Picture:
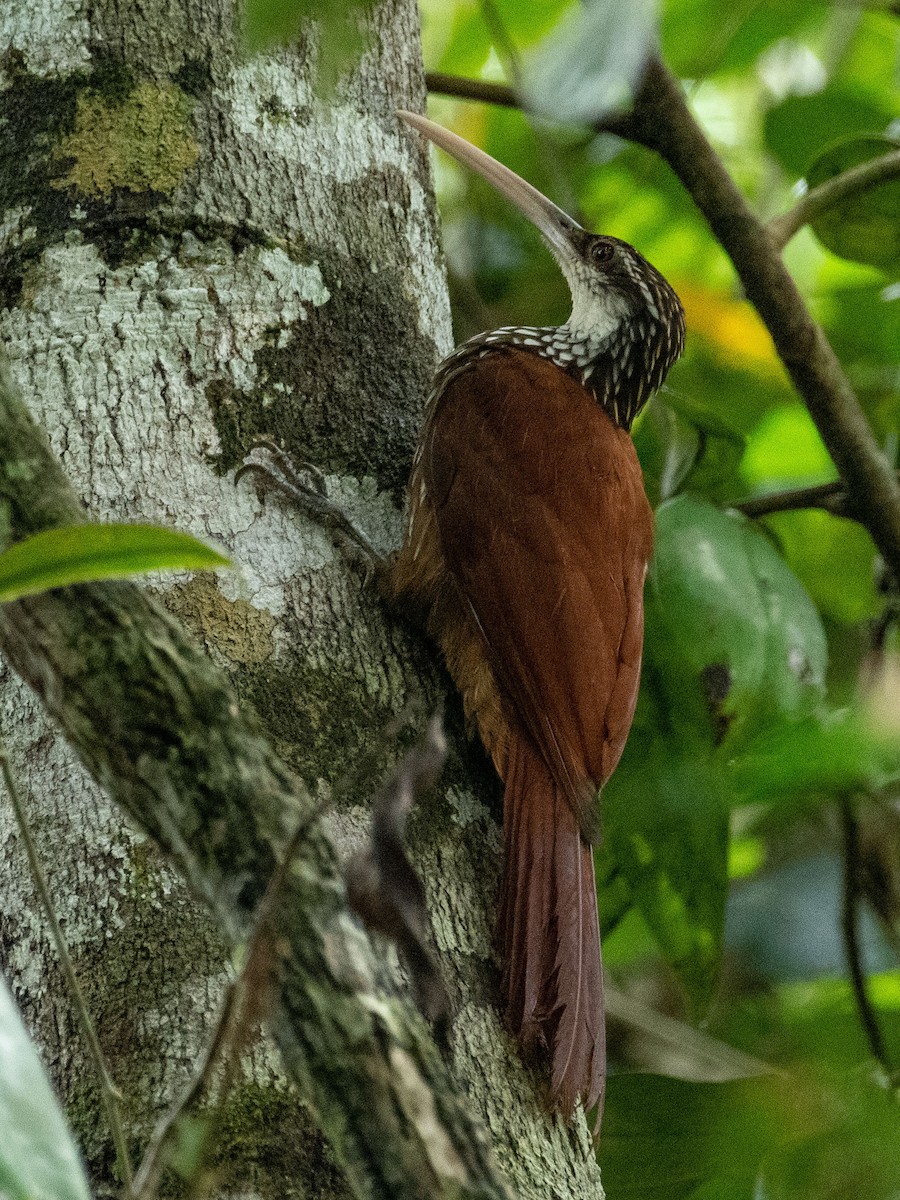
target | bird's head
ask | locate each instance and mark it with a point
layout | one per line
(622, 307)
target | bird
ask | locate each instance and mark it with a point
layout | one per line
(526, 546)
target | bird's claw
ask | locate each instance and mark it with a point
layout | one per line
(277, 468)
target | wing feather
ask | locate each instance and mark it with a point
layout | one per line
(547, 532)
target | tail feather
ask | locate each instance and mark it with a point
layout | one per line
(548, 933)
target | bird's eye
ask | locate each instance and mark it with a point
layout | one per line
(602, 251)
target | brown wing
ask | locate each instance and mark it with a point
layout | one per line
(547, 532)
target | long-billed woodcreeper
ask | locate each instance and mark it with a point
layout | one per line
(527, 544)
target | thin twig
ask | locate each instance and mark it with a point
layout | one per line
(231, 1026)
(849, 183)
(153, 1163)
(852, 874)
(832, 497)
(471, 89)
(109, 1093)
(441, 84)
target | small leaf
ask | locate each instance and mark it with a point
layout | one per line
(668, 447)
(38, 1159)
(864, 227)
(592, 63)
(81, 553)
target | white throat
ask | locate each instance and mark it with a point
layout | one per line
(596, 318)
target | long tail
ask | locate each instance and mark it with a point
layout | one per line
(549, 935)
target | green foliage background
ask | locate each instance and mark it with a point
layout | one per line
(764, 706)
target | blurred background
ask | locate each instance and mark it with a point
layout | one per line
(749, 880)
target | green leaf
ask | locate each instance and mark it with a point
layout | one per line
(699, 38)
(81, 553)
(592, 62)
(732, 642)
(865, 227)
(818, 755)
(671, 1139)
(674, 435)
(728, 621)
(835, 561)
(468, 44)
(849, 1145)
(668, 447)
(786, 447)
(527, 22)
(802, 126)
(38, 1159)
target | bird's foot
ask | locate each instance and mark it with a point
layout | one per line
(305, 485)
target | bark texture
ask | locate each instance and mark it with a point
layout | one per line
(195, 250)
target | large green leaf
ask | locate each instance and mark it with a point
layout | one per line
(728, 619)
(38, 1159)
(80, 553)
(733, 644)
(866, 226)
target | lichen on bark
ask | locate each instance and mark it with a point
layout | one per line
(143, 143)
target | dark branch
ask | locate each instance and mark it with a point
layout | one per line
(471, 89)
(852, 877)
(505, 96)
(832, 497)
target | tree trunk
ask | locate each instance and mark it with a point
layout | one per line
(197, 250)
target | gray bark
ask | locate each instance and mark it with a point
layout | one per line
(197, 250)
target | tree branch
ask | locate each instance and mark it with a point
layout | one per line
(663, 122)
(505, 96)
(832, 497)
(867, 1015)
(849, 183)
(158, 726)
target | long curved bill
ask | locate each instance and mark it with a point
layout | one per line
(555, 225)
